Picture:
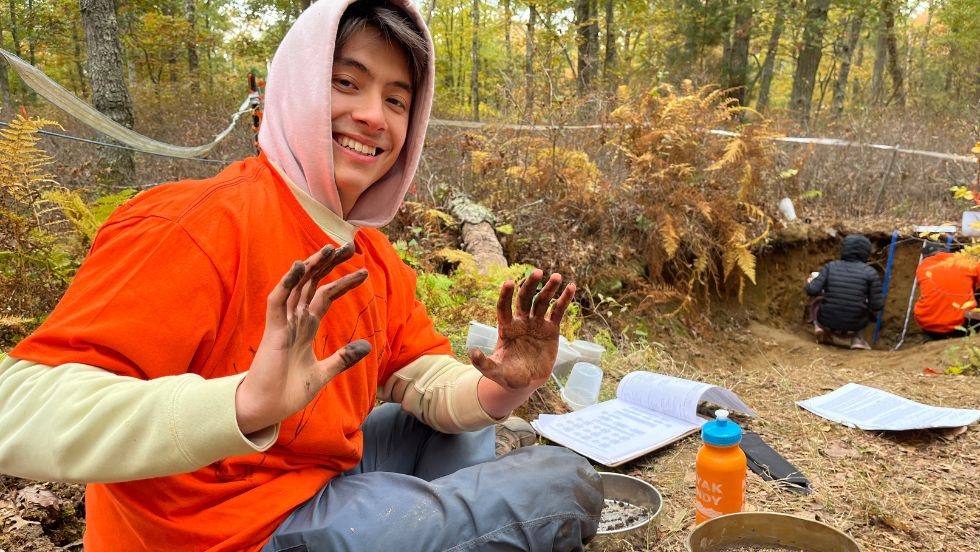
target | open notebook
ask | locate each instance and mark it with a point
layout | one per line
(650, 411)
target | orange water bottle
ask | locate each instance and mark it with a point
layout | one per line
(720, 469)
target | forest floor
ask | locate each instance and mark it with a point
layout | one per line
(889, 491)
(907, 491)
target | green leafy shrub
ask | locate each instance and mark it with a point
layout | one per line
(45, 229)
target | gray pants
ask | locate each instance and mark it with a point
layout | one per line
(420, 490)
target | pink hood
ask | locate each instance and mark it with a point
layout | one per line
(296, 131)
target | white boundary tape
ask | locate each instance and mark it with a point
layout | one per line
(87, 114)
(71, 104)
(820, 141)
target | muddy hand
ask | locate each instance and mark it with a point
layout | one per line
(285, 375)
(528, 335)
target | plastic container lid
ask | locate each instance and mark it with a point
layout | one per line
(588, 351)
(721, 431)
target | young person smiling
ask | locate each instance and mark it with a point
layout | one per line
(213, 402)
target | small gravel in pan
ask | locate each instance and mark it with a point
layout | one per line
(618, 515)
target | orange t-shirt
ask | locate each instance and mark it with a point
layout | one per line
(177, 282)
(946, 284)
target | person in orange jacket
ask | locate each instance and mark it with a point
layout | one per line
(214, 370)
(947, 286)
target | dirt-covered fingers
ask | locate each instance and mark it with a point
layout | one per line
(330, 258)
(508, 379)
(318, 265)
(543, 299)
(525, 296)
(301, 288)
(484, 364)
(561, 305)
(328, 293)
(278, 299)
(505, 313)
(346, 357)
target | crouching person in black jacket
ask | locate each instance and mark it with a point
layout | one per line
(847, 295)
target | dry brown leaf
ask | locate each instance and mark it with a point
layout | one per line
(36, 496)
(896, 524)
(690, 478)
(837, 450)
(950, 433)
(19, 522)
(678, 522)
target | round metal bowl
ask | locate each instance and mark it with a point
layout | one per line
(632, 490)
(769, 528)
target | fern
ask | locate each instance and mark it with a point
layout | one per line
(700, 191)
(734, 152)
(671, 240)
(22, 163)
(36, 263)
(75, 210)
(746, 262)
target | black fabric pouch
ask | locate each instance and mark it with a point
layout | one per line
(771, 466)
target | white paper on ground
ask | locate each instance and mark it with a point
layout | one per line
(870, 409)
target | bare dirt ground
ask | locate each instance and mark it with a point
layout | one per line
(911, 491)
(890, 491)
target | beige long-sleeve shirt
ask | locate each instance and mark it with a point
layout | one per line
(88, 415)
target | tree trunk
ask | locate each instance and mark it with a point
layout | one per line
(475, 77)
(809, 59)
(894, 68)
(923, 52)
(587, 40)
(529, 64)
(881, 55)
(609, 61)
(856, 84)
(31, 27)
(170, 54)
(5, 101)
(725, 31)
(479, 236)
(450, 58)
(480, 240)
(824, 84)
(207, 46)
(4, 90)
(192, 64)
(769, 65)
(14, 30)
(738, 61)
(109, 92)
(846, 54)
(76, 40)
(508, 45)
(428, 11)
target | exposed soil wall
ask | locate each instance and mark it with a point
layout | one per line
(778, 298)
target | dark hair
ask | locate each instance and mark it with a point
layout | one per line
(931, 248)
(393, 25)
